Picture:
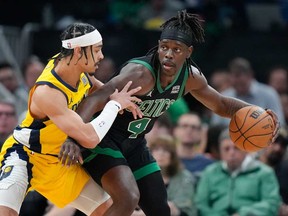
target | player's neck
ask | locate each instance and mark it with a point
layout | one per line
(68, 73)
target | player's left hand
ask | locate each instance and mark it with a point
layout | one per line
(70, 153)
(276, 123)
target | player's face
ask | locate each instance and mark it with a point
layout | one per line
(94, 56)
(172, 55)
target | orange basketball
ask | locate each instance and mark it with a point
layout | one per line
(251, 128)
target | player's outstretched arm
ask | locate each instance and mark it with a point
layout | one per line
(138, 74)
(224, 106)
(52, 103)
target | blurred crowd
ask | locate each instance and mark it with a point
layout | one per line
(204, 173)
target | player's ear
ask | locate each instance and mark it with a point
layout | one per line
(77, 51)
(190, 51)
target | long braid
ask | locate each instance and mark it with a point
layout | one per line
(72, 31)
(185, 22)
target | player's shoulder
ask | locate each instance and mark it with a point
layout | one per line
(195, 70)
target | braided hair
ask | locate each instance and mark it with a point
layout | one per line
(189, 24)
(72, 31)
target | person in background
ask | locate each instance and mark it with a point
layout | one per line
(284, 103)
(178, 180)
(274, 156)
(220, 80)
(188, 132)
(278, 79)
(163, 125)
(11, 88)
(212, 146)
(32, 69)
(237, 185)
(246, 88)
(8, 119)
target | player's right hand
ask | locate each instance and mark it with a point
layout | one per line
(127, 100)
(70, 153)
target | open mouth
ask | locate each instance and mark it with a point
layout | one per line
(168, 65)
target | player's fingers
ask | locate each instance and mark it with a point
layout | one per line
(135, 99)
(80, 159)
(60, 155)
(64, 157)
(135, 111)
(77, 154)
(66, 150)
(134, 90)
(70, 159)
(127, 86)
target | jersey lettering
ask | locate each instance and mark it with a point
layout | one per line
(155, 108)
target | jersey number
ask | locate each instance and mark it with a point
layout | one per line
(138, 126)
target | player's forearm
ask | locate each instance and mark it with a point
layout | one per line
(230, 106)
(92, 104)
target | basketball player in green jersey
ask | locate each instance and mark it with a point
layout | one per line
(122, 163)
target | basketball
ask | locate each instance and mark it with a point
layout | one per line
(251, 128)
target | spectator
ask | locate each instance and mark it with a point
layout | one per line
(248, 89)
(237, 185)
(155, 12)
(180, 199)
(212, 146)
(178, 108)
(220, 80)
(278, 79)
(11, 87)
(32, 69)
(284, 102)
(188, 132)
(163, 126)
(8, 119)
(274, 156)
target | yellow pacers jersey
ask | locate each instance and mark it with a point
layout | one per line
(42, 135)
(38, 142)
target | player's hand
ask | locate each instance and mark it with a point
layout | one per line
(276, 123)
(127, 101)
(70, 153)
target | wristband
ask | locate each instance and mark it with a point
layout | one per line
(104, 121)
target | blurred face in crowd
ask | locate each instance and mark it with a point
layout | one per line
(284, 102)
(32, 72)
(162, 156)
(8, 79)
(188, 129)
(241, 81)
(220, 80)
(8, 119)
(231, 154)
(278, 80)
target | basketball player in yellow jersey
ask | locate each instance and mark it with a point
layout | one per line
(29, 159)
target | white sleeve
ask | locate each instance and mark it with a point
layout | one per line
(104, 121)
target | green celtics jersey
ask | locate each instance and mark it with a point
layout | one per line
(153, 104)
